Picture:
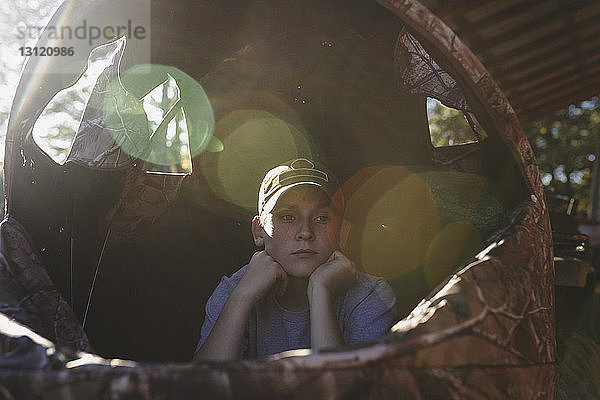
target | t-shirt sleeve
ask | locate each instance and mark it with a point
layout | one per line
(215, 304)
(371, 311)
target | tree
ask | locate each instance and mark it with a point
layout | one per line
(567, 144)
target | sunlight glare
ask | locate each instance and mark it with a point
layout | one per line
(253, 141)
(393, 218)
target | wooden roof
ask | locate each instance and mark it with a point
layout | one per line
(544, 54)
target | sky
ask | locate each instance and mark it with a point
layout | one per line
(21, 22)
(14, 16)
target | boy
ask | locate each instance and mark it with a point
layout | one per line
(300, 291)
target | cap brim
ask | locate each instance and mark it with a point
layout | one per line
(270, 204)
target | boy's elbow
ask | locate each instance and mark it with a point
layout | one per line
(208, 353)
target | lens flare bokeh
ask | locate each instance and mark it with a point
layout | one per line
(393, 217)
(253, 141)
(179, 113)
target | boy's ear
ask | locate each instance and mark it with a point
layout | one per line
(258, 232)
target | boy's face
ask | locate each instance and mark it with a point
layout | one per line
(301, 231)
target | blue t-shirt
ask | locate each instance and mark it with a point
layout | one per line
(364, 313)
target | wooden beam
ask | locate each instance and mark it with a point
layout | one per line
(589, 86)
(547, 52)
(499, 17)
(542, 110)
(524, 60)
(537, 69)
(565, 80)
(485, 55)
(549, 69)
(549, 20)
(517, 87)
(536, 57)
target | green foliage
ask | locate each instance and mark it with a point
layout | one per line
(566, 145)
(447, 126)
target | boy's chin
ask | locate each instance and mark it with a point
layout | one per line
(299, 274)
(300, 271)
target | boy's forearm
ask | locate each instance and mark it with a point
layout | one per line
(223, 342)
(324, 329)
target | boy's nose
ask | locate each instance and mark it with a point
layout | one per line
(305, 231)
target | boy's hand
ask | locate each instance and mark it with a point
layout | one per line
(263, 277)
(336, 275)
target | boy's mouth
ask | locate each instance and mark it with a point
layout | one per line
(304, 252)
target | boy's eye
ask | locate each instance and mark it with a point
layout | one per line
(323, 219)
(286, 217)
